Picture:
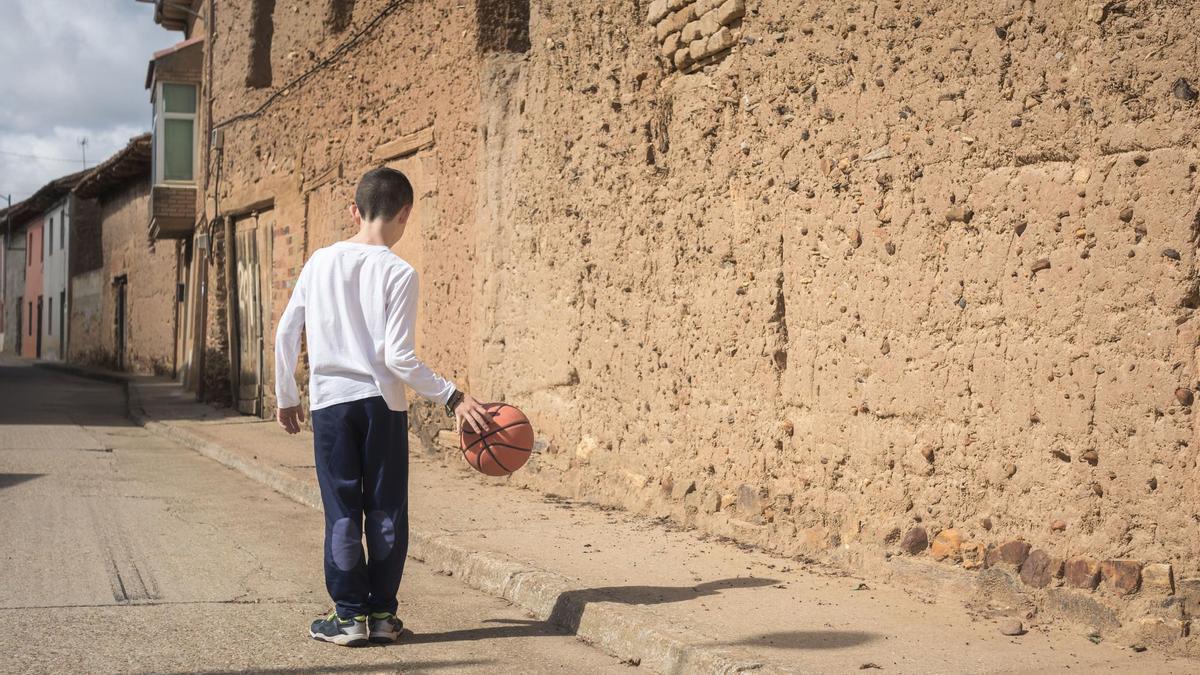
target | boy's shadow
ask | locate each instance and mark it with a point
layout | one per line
(568, 611)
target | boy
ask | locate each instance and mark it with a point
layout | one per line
(357, 302)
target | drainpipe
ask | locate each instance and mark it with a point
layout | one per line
(231, 317)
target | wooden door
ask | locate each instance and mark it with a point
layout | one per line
(252, 257)
(119, 322)
(39, 328)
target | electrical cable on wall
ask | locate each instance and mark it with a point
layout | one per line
(334, 55)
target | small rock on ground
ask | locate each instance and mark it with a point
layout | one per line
(1011, 627)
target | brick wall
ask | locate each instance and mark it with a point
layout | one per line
(174, 209)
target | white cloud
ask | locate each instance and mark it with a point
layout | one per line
(71, 69)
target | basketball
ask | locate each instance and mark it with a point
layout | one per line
(504, 447)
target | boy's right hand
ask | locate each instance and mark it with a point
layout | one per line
(471, 415)
(290, 418)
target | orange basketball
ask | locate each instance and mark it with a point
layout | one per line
(504, 447)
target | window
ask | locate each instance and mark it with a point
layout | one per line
(28, 249)
(62, 231)
(262, 33)
(50, 317)
(340, 13)
(174, 133)
(29, 324)
(50, 233)
(503, 25)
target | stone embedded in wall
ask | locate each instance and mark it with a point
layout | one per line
(915, 541)
(694, 32)
(1158, 578)
(947, 544)
(670, 45)
(657, 10)
(673, 23)
(682, 59)
(1039, 569)
(973, 555)
(1082, 573)
(1121, 576)
(720, 41)
(1010, 553)
(1189, 592)
(730, 11)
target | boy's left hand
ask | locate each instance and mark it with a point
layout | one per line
(290, 418)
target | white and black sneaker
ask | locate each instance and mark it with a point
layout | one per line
(384, 627)
(350, 632)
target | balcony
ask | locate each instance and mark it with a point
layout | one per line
(172, 211)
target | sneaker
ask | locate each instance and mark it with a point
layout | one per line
(384, 627)
(345, 632)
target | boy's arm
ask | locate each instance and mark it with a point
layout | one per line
(287, 347)
(400, 340)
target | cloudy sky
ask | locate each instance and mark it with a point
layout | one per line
(71, 69)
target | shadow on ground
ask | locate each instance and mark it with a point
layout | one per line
(8, 480)
(807, 639)
(415, 666)
(569, 608)
(49, 397)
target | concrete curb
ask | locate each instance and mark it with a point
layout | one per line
(628, 632)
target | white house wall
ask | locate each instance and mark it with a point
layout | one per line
(54, 281)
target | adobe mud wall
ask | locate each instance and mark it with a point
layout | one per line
(879, 272)
(124, 250)
(856, 282)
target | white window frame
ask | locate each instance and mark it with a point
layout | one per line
(160, 117)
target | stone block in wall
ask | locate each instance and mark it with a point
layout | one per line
(1009, 553)
(947, 544)
(682, 58)
(1040, 568)
(1158, 578)
(730, 11)
(1082, 573)
(1189, 593)
(674, 22)
(677, 4)
(671, 45)
(691, 31)
(915, 541)
(657, 11)
(697, 49)
(720, 41)
(709, 24)
(1121, 576)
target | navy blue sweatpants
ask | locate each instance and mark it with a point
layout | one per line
(361, 450)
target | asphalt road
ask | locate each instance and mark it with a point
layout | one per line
(127, 553)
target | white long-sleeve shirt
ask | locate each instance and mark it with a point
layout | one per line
(357, 304)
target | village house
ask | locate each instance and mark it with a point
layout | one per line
(12, 284)
(61, 236)
(796, 274)
(124, 311)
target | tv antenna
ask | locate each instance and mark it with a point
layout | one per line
(83, 148)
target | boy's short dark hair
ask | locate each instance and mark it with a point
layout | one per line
(382, 193)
